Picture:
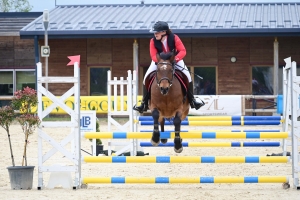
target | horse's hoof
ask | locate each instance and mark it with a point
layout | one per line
(178, 150)
(154, 143)
(164, 141)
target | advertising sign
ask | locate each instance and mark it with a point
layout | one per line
(214, 104)
(227, 105)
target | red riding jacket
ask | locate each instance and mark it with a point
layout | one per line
(179, 47)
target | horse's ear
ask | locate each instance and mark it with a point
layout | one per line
(157, 56)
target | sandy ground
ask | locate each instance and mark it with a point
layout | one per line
(150, 191)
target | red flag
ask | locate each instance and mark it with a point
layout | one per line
(74, 59)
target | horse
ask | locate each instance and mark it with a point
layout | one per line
(167, 100)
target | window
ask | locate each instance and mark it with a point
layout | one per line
(262, 80)
(207, 85)
(24, 79)
(14, 79)
(98, 81)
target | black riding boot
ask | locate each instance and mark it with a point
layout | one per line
(192, 100)
(144, 105)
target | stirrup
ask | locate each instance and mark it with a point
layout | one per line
(196, 105)
(140, 108)
(143, 107)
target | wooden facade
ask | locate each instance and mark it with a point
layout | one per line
(117, 54)
(16, 53)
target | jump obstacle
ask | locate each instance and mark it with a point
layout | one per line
(220, 118)
(275, 120)
(217, 123)
(187, 135)
(216, 144)
(180, 180)
(71, 155)
(187, 159)
(205, 159)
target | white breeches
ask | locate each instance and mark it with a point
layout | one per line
(182, 67)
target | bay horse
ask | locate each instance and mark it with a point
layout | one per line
(167, 100)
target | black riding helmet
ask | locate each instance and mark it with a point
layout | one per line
(159, 26)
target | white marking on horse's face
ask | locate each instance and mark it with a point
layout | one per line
(163, 67)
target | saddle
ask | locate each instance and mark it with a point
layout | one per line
(183, 80)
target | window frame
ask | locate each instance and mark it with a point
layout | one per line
(251, 77)
(23, 70)
(89, 76)
(192, 70)
(15, 78)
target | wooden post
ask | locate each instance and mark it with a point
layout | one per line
(276, 65)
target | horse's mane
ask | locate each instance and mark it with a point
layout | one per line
(166, 56)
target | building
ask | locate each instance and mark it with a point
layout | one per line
(17, 61)
(232, 45)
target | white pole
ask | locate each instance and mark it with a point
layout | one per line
(77, 137)
(40, 115)
(295, 124)
(109, 108)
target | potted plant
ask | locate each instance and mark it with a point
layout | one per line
(21, 176)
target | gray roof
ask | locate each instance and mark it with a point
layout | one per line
(12, 22)
(186, 19)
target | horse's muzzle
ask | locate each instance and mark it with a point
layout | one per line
(164, 91)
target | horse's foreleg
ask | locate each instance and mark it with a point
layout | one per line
(177, 140)
(156, 135)
(162, 129)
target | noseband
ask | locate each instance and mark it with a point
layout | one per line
(165, 78)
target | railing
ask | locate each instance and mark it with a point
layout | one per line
(255, 110)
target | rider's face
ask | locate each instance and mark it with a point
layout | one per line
(158, 35)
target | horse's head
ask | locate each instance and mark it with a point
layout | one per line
(165, 71)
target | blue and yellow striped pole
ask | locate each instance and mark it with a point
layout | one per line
(223, 130)
(195, 135)
(218, 123)
(220, 118)
(189, 180)
(215, 144)
(186, 159)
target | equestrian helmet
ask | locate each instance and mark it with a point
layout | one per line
(159, 26)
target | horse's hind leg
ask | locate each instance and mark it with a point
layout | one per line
(177, 140)
(162, 129)
(156, 135)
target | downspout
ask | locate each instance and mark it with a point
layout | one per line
(276, 66)
(36, 56)
(136, 62)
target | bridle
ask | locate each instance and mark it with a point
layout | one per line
(165, 78)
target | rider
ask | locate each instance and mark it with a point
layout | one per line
(165, 41)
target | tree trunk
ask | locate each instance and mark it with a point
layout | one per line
(25, 148)
(11, 152)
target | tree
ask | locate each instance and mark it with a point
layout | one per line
(15, 6)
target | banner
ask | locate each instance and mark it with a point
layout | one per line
(227, 105)
(98, 103)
